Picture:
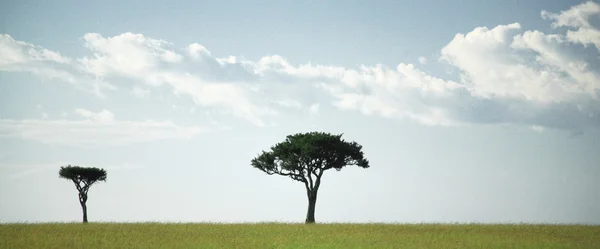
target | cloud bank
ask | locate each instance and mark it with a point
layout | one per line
(508, 75)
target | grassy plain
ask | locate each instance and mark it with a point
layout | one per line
(278, 235)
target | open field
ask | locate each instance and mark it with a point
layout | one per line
(276, 235)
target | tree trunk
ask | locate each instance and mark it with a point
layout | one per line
(312, 201)
(82, 201)
(84, 208)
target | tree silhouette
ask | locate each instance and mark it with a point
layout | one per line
(304, 157)
(83, 178)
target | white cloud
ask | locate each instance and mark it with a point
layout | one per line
(143, 59)
(504, 63)
(483, 55)
(103, 116)
(18, 56)
(229, 60)
(314, 109)
(126, 54)
(140, 92)
(97, 129)
(405, 92)
(578, 17)
(551, 52)
(287, 103)
(507, 76)
(537, 128)
(195, 50)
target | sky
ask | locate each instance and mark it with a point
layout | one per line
(470, 111)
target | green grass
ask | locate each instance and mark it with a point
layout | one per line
(276, 235)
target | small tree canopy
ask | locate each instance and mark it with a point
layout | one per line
(83, 178)
(88, 175)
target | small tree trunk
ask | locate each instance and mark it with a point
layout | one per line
(84, 208)
(312, 201)
(82, 201)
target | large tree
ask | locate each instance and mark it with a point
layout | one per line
(304, 157)
(83, 178)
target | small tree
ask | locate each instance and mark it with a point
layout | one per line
(304, 157)
(83, 178)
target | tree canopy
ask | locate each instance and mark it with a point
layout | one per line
(311, 152)
(89, 175)
(83, 178)
(304, 157)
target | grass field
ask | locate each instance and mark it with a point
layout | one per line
(276, 235)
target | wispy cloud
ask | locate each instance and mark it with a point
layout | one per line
(19, 56)
(124, 166)
(97, 129)
(18, 171)
(140, 92)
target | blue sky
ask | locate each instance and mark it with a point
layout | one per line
(469, 111)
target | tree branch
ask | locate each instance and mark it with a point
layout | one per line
(77, 183)
(309, 174)
(318, 183)
(294, 176)
(307, 187)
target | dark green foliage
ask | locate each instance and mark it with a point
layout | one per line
(87, 174)
(83, 178)
(313, 151)
(305, 156)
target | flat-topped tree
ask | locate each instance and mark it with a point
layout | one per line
(304, 157)
(83, 178)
